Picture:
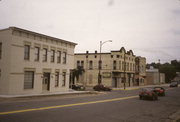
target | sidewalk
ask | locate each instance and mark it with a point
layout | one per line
(70, 92)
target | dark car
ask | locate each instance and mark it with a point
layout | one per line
(160, 91)
(78, 87)
(148, 93)
(101, 88)
(174, 84)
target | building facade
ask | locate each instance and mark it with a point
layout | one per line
(33, 63)
(117, 68)
(154, 77)
(140, 71)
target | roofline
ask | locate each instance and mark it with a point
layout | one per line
(39, 34)
(89, 53)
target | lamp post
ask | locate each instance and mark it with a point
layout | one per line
(100, 62)
(159, 73)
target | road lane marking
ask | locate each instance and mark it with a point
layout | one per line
(67, 105)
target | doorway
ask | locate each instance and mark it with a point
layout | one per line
(46, 81)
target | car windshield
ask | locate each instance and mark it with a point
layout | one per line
(146, 89)
(174, 83)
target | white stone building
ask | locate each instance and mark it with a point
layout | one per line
(32, 63)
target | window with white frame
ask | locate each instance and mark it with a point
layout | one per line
(56, 79)
(64, 56)
(90, 64)
(37, 52)
(64, 79)
(44, 55)
(52, 55)
(28, 79)
(58, 56)
(26, 52)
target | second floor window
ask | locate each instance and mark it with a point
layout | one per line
(78, 63)
(52, 55)
(82, 64)
(44, 55)
(37, 51)
(64, 57)
(114, 64)
(26, 52)
(58, 56)
(90, 64)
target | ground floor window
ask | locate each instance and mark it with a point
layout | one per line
(56, 79)
(64, 79)
(28, 79)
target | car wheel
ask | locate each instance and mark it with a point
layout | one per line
(153, 98)
(163, 94)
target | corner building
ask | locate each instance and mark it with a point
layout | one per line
(116, 68)
(32, 63)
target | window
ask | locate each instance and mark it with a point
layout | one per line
(114, 65)
(44, 55)
(58, 56)
(0, 50)
(78, 63)
(37, 51)
(82, 64)
(117, 56)
(56, 79)
(64, 79)
(28, 79)
(52, 55)
(90, 64)
(64, 57)
(119, 65)
(26, 52)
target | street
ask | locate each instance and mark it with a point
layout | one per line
(115, 106)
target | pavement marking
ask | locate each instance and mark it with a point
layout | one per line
(126, 89)
(67, 105)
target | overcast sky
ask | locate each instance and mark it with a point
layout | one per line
(151, 28)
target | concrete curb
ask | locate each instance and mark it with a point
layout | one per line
(50, 94)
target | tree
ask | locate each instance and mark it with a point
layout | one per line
(76, 73)
(169, 69)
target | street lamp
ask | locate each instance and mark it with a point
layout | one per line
(100, 62)
(159, 73)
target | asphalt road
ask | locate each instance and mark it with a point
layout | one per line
(115, 106)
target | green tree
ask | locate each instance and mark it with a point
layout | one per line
(76, 73)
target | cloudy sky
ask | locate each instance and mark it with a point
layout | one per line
(151, 28)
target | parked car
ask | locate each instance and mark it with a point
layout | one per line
(101, 87)
(148, 93)
(174, 84)
(78, 87)
(160, 91)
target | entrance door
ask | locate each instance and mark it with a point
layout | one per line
(114, 82)
(46, 81)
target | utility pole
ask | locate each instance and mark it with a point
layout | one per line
(100, 62)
